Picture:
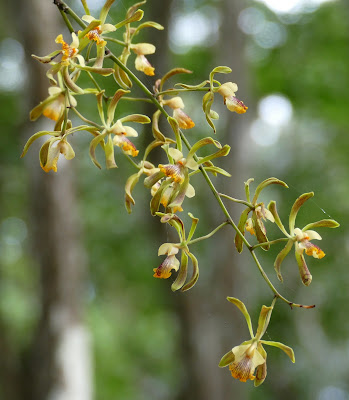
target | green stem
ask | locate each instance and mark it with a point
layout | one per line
(66, 20)
(96, 84)
(110, 39)
(66, 110)
(272, 287)
(86, 120)
(236, 200)
(84, 4)
(176, 91)
(199, 239)
(270, 242)
(62, 6)
(135, 99)
(131, 161)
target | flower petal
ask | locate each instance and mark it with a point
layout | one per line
(142, 64)
(195, 274)
(235, 105)
(280, 257)
(167, 248)
(182, 274)
(175, 154)
(190, 191)
(227, 359)
(265, 183)
(184, 121)
(324, 223)
(288, 350)
(263, 321)
(241, 306)
(130, 132)
(164, 270)
(295, 208)
(313, 235)
(241, 225)
(303, 269)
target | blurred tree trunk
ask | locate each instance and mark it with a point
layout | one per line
(205, 316)
(58, 364)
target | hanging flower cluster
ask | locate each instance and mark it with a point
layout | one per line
(92, 52)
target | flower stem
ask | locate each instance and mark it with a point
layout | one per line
(67, 10)
(66, 20)
(270, 242)
(86, 120)
(135, 99)
(277, 294)
(176, 91)
(110, 39)
(236, 200)
(131, 161)
(84, 4)
(199, 239)
(94, 82)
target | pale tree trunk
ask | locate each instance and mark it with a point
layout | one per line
(208, 328)
(58, 366)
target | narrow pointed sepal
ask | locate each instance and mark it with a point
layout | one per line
(32, 139)
(182, 273)
(195, 274)
(296, 206)
(242, 222)
(264, 184)
(94, 143)
(113, 103)
(324, 223)
(260, 232)
(280, 257)
(303, 269)
(227, 359)
(288, 350)
(152, 179)
(241, 306)
(207, 102)
(263, 321)
(156, 199)
(261, 370)
(129, 186)
(272, 208)
(173, 72)
(109, 153)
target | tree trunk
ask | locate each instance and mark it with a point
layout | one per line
(208, 320)
(58, 364)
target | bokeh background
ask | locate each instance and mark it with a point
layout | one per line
(81, 316)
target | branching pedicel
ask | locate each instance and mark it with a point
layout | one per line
(169, 183)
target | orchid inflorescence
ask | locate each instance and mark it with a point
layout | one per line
(170, 182)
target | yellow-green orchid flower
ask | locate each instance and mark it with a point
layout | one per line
(300, 238)
(248, 360)
(170, 263)
(176, 103)
(227, 90)
(260, 213)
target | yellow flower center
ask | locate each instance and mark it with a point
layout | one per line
(94, 34)
(67, 51)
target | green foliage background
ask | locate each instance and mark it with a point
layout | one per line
(141, 355)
